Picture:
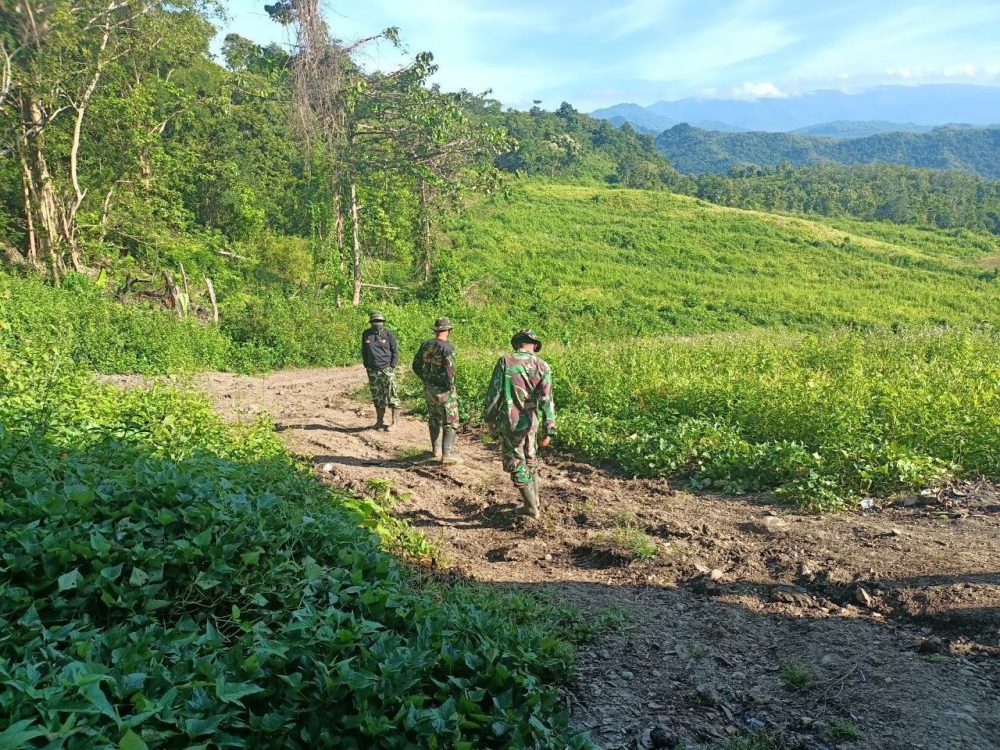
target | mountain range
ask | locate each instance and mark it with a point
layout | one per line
(882, 108)
(695, 150)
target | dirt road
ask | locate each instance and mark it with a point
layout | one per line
(883, 624)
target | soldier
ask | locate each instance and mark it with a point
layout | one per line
(520, 388)
(435, 366)
(380, 354)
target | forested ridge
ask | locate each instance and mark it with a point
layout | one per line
(694, 150)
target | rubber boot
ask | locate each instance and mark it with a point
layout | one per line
(529, 494)
(394, 420)
(379, 417)
(448, 455)
(436, 441)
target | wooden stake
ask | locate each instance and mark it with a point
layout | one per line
(211, 296)
(175, 294)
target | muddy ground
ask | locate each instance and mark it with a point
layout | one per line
(884, 624)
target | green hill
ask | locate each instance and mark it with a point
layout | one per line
(755, 351)
(695, 151)
(576, 260)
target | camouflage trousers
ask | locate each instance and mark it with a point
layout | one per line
(383, 387)
(520, 455)
(442, 407)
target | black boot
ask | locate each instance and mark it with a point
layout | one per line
(448, 455)
(436, 441)
(379, 417)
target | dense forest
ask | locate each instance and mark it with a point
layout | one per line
(694, 151)
(874, 192)
(133, 150)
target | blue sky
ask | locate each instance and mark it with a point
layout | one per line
(595, 54)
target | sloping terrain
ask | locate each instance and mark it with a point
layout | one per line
(885, 623)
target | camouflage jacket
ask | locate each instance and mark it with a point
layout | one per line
(521, 387)
(435, 364)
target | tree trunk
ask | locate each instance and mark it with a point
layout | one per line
(42, 193)
(355, 247)
(29, 221)
(426, 238)
(175, 294)
(339, 226)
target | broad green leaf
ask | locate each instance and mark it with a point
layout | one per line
(71, 580)
(232, 692)
(131, 741)
(17, 735)
(138, 577)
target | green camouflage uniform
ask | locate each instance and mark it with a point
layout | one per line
(520, 388)
(434, 364)
(380, 354)
(383, 387)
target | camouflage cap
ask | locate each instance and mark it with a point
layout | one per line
(376, 315)
(526, 334)
(442, 324)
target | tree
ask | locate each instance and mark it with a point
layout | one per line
(62, 54)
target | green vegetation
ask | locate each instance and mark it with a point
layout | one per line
(820, 418)
(873, 192)
(693, 150)
(576, 261)
(796, 676)
(843, 729)
(630, 541)
(828, 385)
(170, 581)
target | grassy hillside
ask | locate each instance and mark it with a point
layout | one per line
(895, 385)
(755, 351)
(693, 150)
(575, 261)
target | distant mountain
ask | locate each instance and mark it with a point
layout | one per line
(618, 121)
(694, 151)
(635, 115)
(931, 105)
(860, 128)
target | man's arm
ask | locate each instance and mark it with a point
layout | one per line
(393, 350)
(449, 367)
(365, 354)
(546, 402)
(493, 394)
(418, 363)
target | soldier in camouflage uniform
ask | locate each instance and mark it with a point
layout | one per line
(520, 389)
(380, 354)
(434, 364)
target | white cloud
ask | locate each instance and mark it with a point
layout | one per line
(630, 18)
(751, 91)
(700, 56)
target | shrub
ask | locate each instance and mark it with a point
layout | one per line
(170, 581)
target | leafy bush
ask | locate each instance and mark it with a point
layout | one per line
(104, 336)
(168, 581)
(820, 419)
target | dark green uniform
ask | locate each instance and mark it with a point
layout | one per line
(434, 364)
(520, 394)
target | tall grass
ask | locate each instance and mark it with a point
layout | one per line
(819, 418)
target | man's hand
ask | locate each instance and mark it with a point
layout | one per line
(546, 442)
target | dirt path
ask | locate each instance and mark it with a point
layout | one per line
(886, 622)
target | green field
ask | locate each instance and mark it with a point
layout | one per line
(736, 349)
(576, 260)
